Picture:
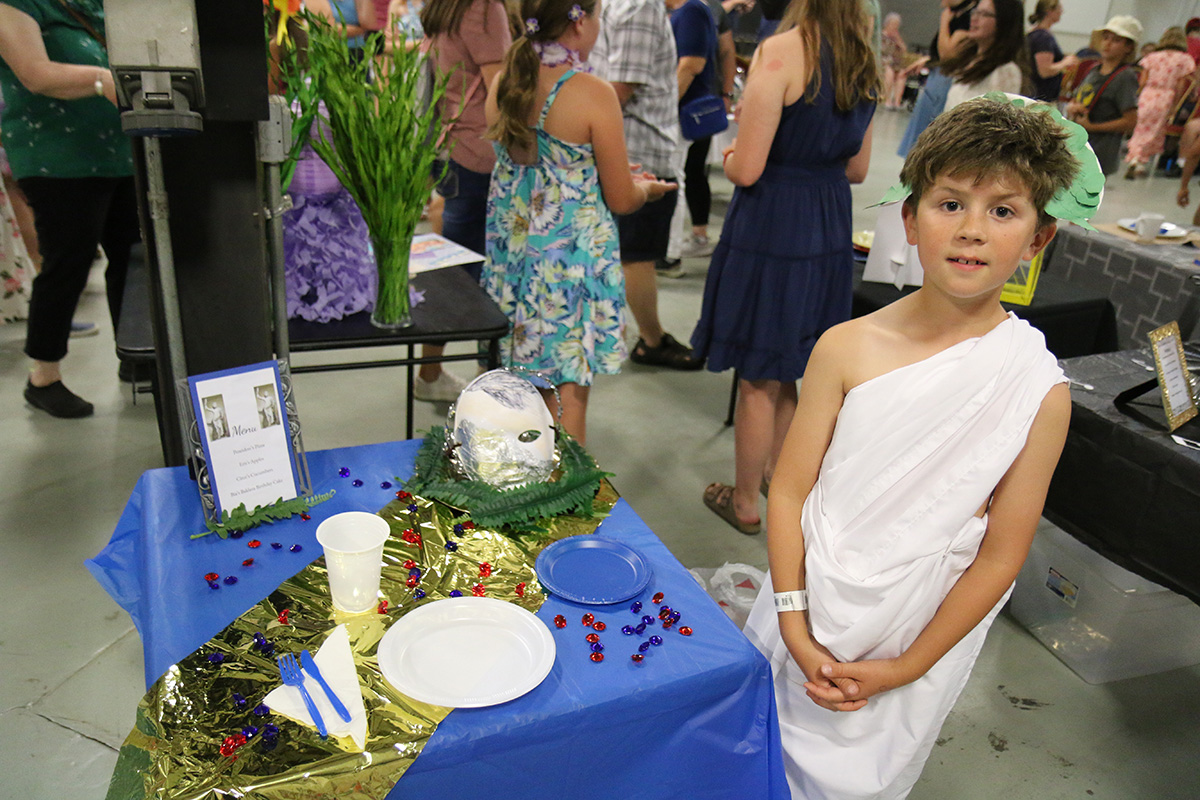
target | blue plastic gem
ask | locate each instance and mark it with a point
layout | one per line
(295, 548)
(261, 710)
(419, 593)
(270, 731)
(451, 546)
(230, 580)
(455, 593)
(269, 744)
(344, 472)
(458, 529)
(356, 482)
(238, 700)
(640, 629)
(627, 630)
(235, 534)
(636, 607)
(656, 640)
(385, 484)
(675, 615)
(268, 649)
(249, 731)
(647, 620)
(412, 506)
(643, 647)
(214, 585)
(276, 545)
(597, 647)
(415, 572)
(216, 658)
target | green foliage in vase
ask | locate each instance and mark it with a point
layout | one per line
(380, 139)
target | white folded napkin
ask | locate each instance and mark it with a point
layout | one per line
(337, 668)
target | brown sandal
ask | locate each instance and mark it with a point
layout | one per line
(719, 498)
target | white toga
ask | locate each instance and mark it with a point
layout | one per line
(889, 527)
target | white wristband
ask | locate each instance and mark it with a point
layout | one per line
(791, 601)
(99, 85)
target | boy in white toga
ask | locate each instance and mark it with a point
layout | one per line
(913, 477)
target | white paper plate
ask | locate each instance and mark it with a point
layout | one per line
(466, 652)
(1165, 231)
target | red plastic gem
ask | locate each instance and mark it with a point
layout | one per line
(598, 626)
(685, 630)
(588, 619)
(592, 638)
(478, 590)
(231, 744)
(597, 657)
(409, 563)
(485, 570)
(253, 543)
(249, 562)
(637, 658)
(667, 624)
(560, 621)
(212, 576)
(412, 581)
(305, 516)
(469, 525)
(402, 495)
(382, 609)
(658, 596)
(283, 616)
(521, 589)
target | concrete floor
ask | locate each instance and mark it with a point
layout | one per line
(71, 662)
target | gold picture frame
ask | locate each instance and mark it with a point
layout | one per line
(1170, 364)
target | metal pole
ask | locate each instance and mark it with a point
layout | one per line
(156, 197)
(274, 134)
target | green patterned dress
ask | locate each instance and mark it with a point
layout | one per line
(553, 264)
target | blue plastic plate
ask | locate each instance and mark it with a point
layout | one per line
(593, 570)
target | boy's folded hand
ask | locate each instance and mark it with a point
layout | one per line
(868, 678)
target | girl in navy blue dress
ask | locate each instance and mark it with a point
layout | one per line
(781, 274)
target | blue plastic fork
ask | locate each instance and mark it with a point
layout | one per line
(290, 671)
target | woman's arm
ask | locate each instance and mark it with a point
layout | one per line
(22, 48)
(1047, 67)
(860, 162)
(687, 70)
(1013, 516)
(325, 9)
(761, 108)
(949, 43)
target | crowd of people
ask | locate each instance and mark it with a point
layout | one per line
(566, 152)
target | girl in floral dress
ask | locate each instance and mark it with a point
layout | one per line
(1161, 79)
(561, 171)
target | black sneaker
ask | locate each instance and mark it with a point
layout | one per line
(670, 353)
(57, 400)
(669, 267)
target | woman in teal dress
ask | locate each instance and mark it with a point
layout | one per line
(553, 263)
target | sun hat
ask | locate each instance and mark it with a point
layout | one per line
(1125, 26)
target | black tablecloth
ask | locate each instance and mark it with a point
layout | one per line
(1122, 486)
(1075, 321)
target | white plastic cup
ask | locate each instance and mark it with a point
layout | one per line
(353, 543)
(1148, 226)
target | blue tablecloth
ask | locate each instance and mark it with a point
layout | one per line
(695, 720)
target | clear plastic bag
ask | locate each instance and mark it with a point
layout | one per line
(733, 586)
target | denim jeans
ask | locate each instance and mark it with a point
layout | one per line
(464, 220)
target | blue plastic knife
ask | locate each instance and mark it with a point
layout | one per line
(310, 666)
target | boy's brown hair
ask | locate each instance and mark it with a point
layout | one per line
(987, 138)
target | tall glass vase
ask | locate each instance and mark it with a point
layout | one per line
(392, 308)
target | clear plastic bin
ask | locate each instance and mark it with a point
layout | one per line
(1101, 620)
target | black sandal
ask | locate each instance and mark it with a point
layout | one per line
(670, 353)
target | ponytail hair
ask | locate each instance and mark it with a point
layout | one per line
(542, 21)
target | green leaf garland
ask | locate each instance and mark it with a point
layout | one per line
(522, 509)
